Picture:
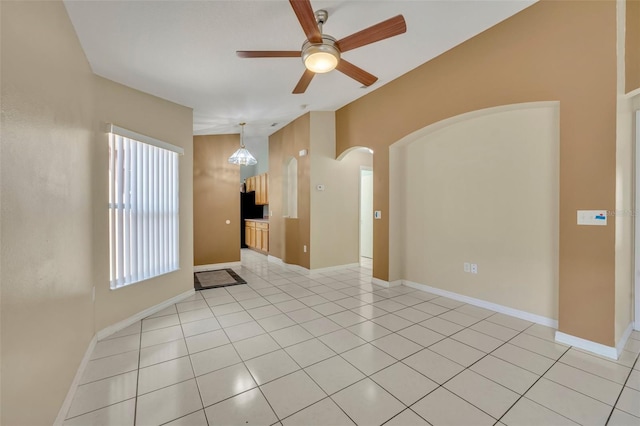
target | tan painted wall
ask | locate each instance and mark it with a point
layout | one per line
(46, 210)
(165, 121)
(54, 197)
(484, 190)
(632, 50)
(216, 199)
(286, 242)
(550, 51)
(335, 214)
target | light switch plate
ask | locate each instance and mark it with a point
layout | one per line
(377, 214)
(592, 217)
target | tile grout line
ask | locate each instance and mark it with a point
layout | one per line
(622, 390)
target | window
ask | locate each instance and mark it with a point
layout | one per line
(143, 207)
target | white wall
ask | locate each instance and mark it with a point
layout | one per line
(482, 189)
(335, 213)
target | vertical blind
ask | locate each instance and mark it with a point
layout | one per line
(143, 210)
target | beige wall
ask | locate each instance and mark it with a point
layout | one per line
(551, 51)
(166, 121)
(483, 189)
(288, 236)
(46, 210)
(54, 219)
(216, 199)
(335, 214)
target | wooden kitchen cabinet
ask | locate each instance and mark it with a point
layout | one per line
(250, 233)
(257, 235)
(259, 184)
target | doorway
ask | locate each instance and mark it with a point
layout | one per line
(366, 213)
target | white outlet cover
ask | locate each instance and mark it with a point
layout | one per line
(467, 267)
(474, 268)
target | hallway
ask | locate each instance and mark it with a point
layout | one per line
(298, 348)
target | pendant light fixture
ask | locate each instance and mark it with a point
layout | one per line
(242, 157)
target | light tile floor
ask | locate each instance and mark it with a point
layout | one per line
(299, 348)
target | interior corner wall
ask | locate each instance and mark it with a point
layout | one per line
(54, 217)
(46, 209)
(625, 141)
(550, 51)
(335, 213)
(216, 200)
(483, 189)
(287, 237)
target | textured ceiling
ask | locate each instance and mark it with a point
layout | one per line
(184, 51)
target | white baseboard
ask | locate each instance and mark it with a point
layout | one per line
(395, 283)
(623, 339)
(214, 266)
(335, 268)
(587, 345)
(378, 281)
(66, 404)
(108, 331)
(275, 260)
(105, 332)
(528, 316)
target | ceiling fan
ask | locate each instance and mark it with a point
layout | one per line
(321, 53)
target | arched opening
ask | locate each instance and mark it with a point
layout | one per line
(480, 189)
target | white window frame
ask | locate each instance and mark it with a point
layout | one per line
(143, 207)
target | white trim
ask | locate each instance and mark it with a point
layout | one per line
(214, 266)
(378, 281)
(624, 338)
(335, 268)
(636, 293)
(395, 283)
(275, 259)
(66, 404)
(528, 316)
(108, 331)
(105, 332)
(112, 128)
(587, 345)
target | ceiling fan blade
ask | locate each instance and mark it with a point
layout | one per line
(307, 19)
(304, 82)
(385, 29)
(356, 73)
(268, 53)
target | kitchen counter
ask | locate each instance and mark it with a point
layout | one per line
(258, 220)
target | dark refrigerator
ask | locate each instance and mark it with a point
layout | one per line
(248, 210)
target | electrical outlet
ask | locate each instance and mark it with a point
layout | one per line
(467, 267)
(474, 268)
(304, 248)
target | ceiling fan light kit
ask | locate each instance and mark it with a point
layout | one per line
(242, 156)
(321, 57)
(321, 53)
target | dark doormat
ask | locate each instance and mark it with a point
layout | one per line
(213, 279)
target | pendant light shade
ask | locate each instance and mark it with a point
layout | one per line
(242, 156)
